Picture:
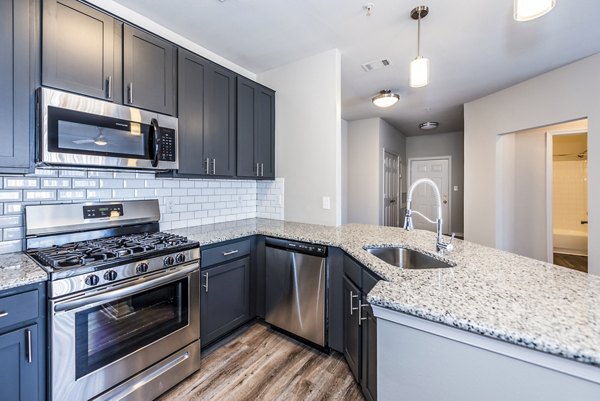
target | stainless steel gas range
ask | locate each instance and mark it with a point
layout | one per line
(124, 319)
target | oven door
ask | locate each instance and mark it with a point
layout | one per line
(81, 131)
(102, 338)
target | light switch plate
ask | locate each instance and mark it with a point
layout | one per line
(326, 202)
(456, 188)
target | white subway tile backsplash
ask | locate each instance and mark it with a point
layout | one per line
(40, 195)
(13, 233)
(56, 183)
(72, 173)
(13, 182)
(98, 193)
(10, 221)
(10, 196)
(11, 246)
(71, 194)
(110, 183)
(99, 174)
(83, 183)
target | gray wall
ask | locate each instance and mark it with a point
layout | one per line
(565, 94)
(444, 144)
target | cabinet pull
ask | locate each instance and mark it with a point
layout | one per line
(214, 171)
(3, 314)
(207, 161)
(257, 169)
(109, 87)
(262, 169)
(352, 308)
(230, 252)
(130, 93)
(29, 349)
(206, 281)
(360, 316)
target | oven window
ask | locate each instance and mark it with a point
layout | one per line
(115, 329)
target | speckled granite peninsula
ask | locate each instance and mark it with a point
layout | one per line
(18, 269)
(490, 292)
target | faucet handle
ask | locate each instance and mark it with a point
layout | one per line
(449, 246)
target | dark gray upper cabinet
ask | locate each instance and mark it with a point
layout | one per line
(16, 87)
(78, 49)
(206, 117)
(224, 298)
(255, 130)
(148, 71)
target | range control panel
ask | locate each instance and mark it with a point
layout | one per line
(168, 145)
(102, 211)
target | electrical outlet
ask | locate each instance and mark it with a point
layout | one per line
(326, 202)
(456, 188)
(170, 205)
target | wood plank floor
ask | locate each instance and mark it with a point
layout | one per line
(572, 261)
(258, 363)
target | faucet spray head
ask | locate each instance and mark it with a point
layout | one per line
(408, 224)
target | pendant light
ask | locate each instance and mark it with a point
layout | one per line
(527, 10)
(419, 67)
(385, 98)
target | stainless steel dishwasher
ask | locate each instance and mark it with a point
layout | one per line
(296, 288)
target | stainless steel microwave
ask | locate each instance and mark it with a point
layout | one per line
(80, 131)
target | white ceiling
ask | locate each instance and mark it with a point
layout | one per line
(475, 46)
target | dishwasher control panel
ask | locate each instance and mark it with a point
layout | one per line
(302, 247)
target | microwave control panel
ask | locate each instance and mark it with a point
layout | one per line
(168, 145)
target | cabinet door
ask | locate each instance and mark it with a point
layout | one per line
(19, 367)
(148, 71)
(192, 72)
(77, 49)
(265, 132)
(369, 352)
(224, 299)
(352, 333)
(16, 96)
(246, 126)
(219, 132)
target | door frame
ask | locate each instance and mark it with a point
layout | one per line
(399, 193)
(549, 185)
(450, 186)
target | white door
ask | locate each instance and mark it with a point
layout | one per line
(423, 198)
(391, 189)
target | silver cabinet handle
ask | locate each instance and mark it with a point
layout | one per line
(29, 345)
(262, 169)
(352, 308)
(214, 171)
(130, 93)
(206, 285)
(109, 87)
(230, 252)
(207, 161)
(257, 169)
(3, 314)
(360, 316)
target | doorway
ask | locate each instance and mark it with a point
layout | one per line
(423, 199)
(392, 182)
(567, 198)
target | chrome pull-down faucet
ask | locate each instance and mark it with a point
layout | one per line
(440, 244)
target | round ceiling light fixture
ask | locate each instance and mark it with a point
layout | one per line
(527, 10)
(385, 98)
(429, 125)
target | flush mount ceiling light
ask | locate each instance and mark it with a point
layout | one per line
(429, 125)
(385, 98)
(527, 10)
(419, 67)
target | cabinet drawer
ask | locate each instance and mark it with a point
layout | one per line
(223, 253)
(18, 308)
(353, 270)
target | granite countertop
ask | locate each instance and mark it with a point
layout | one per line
(18, 269)
(490, 292)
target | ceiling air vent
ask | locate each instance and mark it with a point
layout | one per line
(376, 65)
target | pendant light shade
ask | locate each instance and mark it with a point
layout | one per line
(385, 98)
(419, 72)
(419, 67)
(527, 10)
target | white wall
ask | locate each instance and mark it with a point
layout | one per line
(344, 171)
(308, 136)
(444, 144)
(146, 23)
(566, 94)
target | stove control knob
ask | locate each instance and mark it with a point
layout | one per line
(110, 275)
(180, 258)
(92, 279)
(142, 268)
(168, 261)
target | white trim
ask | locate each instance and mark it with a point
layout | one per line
(549, 187)
(539, 358)
(450, 186)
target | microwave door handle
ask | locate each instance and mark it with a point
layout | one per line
(156, 142)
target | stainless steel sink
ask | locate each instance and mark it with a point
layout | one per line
(407, 258)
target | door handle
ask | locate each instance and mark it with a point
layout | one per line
(207, 167)
(230, 252)
(29, 345)
(109, 87)
(130, 93)
(360, 316)
(214, 170)
(156, 142)
(352, 308)
(206, 281)
(257, 169)
(3, 314)
(262, 169)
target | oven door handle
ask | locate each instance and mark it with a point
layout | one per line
(111, 295)
(155, 145)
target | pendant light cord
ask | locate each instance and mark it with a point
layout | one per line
(419, 35)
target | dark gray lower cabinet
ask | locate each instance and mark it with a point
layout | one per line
(352, 343)
(18, 371)
(368, 380)
(17, 22)
(224, 298)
